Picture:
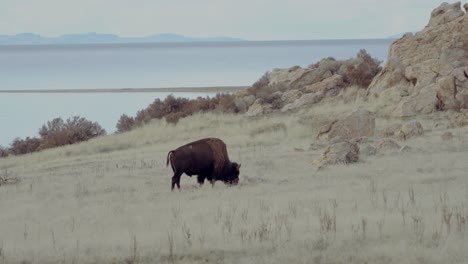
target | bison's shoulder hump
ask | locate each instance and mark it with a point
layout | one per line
(218, 148)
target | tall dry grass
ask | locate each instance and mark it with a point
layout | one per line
(108, 200)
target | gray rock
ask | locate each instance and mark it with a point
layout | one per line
(343, 152)
(361, 123)
(387, 144)
(409, 130)
(258, 108)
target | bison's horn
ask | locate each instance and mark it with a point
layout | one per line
(238, 166)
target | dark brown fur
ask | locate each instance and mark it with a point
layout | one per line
(207, 158)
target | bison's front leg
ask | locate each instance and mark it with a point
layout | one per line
(201, 179)
(176, 180)
(212, 180)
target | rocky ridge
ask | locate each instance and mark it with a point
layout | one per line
(427, 71)
(424, 73)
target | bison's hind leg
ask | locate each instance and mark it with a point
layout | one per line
(176, 180)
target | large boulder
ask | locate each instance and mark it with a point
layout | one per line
(258, 108)
(343, 152)
(447, 136)
(427, 71)
(387, 144)
(361, 123)
(408, 130)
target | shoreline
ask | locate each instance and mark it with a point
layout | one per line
(206, 89)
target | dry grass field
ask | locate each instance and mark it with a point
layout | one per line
(109, 200)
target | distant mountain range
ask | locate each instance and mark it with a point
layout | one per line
(96, 38)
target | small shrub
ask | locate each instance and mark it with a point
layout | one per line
(274, 100)
(173, 104)
(125, 123)
(269, 94)
(174, 117)
(262, 82)
(142, 117)
(3, 152)
(355, 71)
(76, 129)
(226, 103)
(24, 146)
(80, 129)
(173, 108)
(241, 104)
(259, 85)
(327, 64)
(360, 70)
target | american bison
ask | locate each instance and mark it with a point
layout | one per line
(207, 158)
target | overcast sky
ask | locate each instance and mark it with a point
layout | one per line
(249, 19)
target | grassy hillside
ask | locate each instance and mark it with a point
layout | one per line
(109, 200)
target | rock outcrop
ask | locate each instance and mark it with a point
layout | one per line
(286, 76)
(290, 96)
(258, 108)
(427, 71)
(361, 123)
(305, 99)
(327, 86)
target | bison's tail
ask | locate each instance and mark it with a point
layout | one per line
(168, 159)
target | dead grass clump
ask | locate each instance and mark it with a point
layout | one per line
(269, 128)
(8, 177)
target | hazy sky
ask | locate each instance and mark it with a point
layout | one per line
(249, 19)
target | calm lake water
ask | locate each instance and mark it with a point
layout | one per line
(140, 66)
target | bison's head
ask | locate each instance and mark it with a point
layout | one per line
(232, 176)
